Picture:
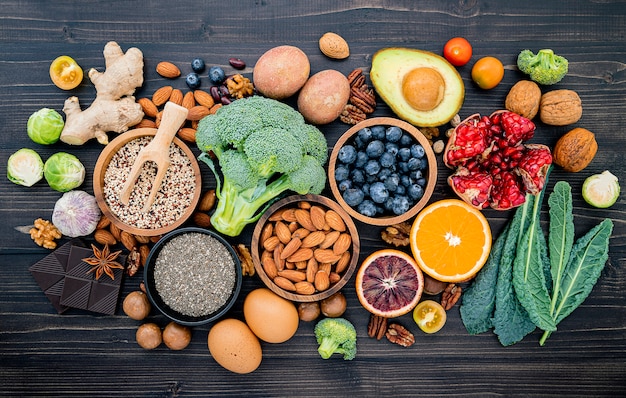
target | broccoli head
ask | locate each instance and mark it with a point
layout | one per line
(544, 68)
(336, 336)
(263, 148)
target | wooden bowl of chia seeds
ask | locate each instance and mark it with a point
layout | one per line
(176, 199)
(192, 276)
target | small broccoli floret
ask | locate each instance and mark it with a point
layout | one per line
(263, 148)
(336, 335)
(544, 68)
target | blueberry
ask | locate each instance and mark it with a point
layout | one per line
(344, 185)
(387, 159)
(400, 205)
(367, 208)
(378, 192)
(216, 75)
(378, 132)
(406, 140)
(347, 154)
(400, 190)
(415, 191)
(365, 134)
(417, 151)
(392, 148)
(366, 189)
(357, 176)
(404, 154)
(414, 164)
(421, 181)
(375, 149)
(424, 163)
(361, 159)
(341, 173)
(193, 80)
(371, 178)
(392, 182)
(353, 196)
(197, 65)
(415, 175)
(384, 173)
(372, 167)
(403, 167)
(405, 181)
(393, 134)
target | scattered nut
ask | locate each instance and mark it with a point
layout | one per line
(575, 150)
(400, 335)
(524, 99)
(167, 70)
(560, 107)
(377, 327)
(44, 233)
(334, 46)
(136, 305)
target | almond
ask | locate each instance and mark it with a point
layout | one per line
(103, 222)
(188, 100)
(322, 281)
(300, 233)
(288, 215)
(277, 215)
(269, 266)
(162, 95)
(282, 231)
(198, 112)
(326, 267)
(334, 46)
(167, 70)
(335, 221)
(204, 98)
(271, 243)
(146, 123)
(343, 262)
(330, 239)
(342, 244)
(144, 251)
(116, 231)
(104, 237)
(187, 134)
(128, 240)
(305, 288)
(284, 283)
(311, 269)
(207, 201)
(314, 239)
(326, 256)
(201, 219)
(292, 275)
(214, 108)
(304, 218)
(318, 217)
(148, 107)
(301, 265)
(302, 254)
(177, 97)
(142, 239)
(290, 248)
(278, 250)
(266, 232)
(334, 277)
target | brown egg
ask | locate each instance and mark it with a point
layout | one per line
(233, 345)
(270, 317)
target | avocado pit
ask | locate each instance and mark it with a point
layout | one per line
(423, 88)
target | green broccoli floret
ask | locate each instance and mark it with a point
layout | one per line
(263, 148)
(544, 68)
(336, 335)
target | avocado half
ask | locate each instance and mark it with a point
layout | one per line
(421, 87)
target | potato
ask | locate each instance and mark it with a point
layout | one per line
(281, 72)
(324, 96)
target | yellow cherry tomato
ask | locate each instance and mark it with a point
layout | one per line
(430, 316)
(65, 72)
(487, 72)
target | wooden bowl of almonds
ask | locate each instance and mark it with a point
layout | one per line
(176, 199)
(305, 248)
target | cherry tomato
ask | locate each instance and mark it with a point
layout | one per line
(65, 73)
(487, 72)
(429, 316)
(457, 51)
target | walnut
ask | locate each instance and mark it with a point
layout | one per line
(575, 150)
(524, 98)
(397, 234)
(377, 327)
(560, 107)
(247, 265)
(239, 86)
(44, 233)
(400, 335)
(450, 296)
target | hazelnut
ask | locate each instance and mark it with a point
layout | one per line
(136, 305)
(176, 336)
(334, 306)
(149, 336)
(308, 311)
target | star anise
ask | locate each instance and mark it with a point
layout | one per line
(103, 261)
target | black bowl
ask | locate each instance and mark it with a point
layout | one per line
(166, 310)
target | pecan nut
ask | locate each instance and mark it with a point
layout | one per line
(352, 115)
(377, 327)
(400, 335)
(450, 296)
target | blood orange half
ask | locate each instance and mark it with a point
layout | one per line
(389, 283)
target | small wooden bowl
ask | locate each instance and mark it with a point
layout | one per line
(292, 202)
(102, 164)
(431, 177)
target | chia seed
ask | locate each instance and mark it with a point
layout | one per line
(173, 198)
(194, 274)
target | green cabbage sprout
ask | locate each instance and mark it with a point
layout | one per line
(64, 172)
(45, 126)
(25, 167)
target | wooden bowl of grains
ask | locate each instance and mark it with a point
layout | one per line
(192, 276)
(176, 199)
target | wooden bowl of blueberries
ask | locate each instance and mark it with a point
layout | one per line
(382, 171)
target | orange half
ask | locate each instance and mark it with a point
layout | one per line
(450, 240)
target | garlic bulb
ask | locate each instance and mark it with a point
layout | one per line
(76, 213)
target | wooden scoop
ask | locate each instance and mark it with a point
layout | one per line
(156, 151)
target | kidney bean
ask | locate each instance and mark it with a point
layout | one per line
(237, 63)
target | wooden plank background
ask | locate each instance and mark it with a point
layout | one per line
(84, 354)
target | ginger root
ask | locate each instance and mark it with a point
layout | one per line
(114, 108)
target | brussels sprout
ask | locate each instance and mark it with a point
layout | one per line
(45, 126)
(601, 190)
(63, 171)
(25, 167)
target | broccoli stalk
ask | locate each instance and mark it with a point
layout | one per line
(336, 336)
(544, 68)
(263, 148)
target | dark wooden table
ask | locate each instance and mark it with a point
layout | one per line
(81, 353)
